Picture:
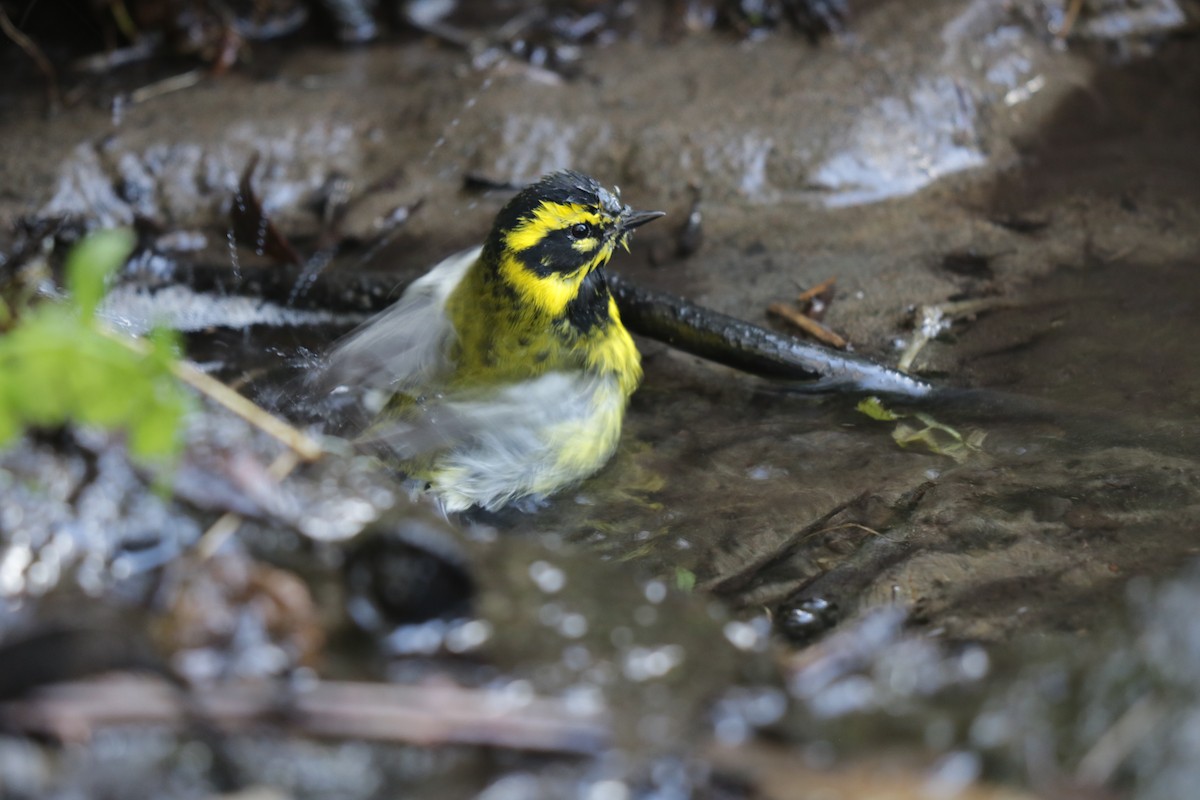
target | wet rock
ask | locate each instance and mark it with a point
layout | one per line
(85, 517)
(407, 571)
(181, 183)
(801, 621)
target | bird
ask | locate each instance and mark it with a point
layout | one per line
(503, 374)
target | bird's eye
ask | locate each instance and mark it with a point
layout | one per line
(580, 231)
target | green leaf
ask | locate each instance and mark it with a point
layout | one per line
(110, 378)
(154, 432)
(165, 347)
(10, 424)
(58, 366)
(873, 408)
(91, 262)
(685, 579)
(936, 437)
(38, 354)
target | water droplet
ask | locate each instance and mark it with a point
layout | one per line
(260, 235)
(231, 238)
(549, 578)
(655, 591)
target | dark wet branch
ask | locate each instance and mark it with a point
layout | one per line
(60, 653)
(749, 348)
(661, 316)
(333, 290)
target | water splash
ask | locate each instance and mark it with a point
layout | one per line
(235, 262)
(308, 276)
(468, 104)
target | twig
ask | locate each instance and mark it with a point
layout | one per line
(420, 715)
(854, 525)
(175, 83)
(808, 325)
(228, 523)
(303, 444)
(932, 320)
(301, 447)
(53, 97)
(1096, 768)
(731, 584)
(1072, 15)
(815, 291)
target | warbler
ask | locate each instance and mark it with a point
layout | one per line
(503, 374)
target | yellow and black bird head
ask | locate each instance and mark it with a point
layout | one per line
(552, 240)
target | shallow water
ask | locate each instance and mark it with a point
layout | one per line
(684, 591)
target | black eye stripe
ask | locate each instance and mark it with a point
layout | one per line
(554, 254)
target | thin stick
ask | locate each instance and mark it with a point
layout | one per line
(1069, 20)
(228, 523)
(808, 325)
(420, 715)
(175, 83)
(1096, 768)
(856, 526)
(742, 578)
(933, 319)
(304, 445)
(301, 447)
(815, 291)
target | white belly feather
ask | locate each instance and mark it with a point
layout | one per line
(532, 438)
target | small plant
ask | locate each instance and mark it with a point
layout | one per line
(59, 365)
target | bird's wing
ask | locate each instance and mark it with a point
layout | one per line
(523, 438)
(403, 347)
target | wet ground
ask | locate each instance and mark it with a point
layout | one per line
(764, 594)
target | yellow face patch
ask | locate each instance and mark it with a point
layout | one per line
(587, 245)
(550, 293)
(564, 260)
(547, 217)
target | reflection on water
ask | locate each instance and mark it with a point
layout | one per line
(1053, 512)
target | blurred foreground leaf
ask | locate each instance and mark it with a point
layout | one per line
(685, 579)
(91, 262)
(58, 366)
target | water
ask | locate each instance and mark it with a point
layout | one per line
(1025, 609)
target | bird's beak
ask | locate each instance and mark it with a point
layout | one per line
(634, 219)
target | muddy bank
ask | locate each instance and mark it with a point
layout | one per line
(778, 135)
